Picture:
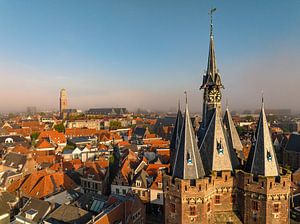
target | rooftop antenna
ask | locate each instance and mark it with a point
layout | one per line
(186, 99)
(211, 11)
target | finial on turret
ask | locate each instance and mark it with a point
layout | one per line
(226, 103)
(262, 98)
(212, 10)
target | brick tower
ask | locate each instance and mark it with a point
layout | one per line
(63, 101)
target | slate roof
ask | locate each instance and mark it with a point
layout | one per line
(233, 137)
(293, 143)
(16, 138)
(5, 199)
(175, 138)
(69, 214)
(87, 201)
(141, 176)
(262, 158)
(212, 76)
(15, 160)
(188, 163)
(140, 132)
(107, 111)
(42, 208)
(214, 149)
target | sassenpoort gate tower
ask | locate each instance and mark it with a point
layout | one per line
(207, 183)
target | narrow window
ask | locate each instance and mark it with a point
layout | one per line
(255, 205)
(173, 208)
(217, 199)
(192, 210)
(208, 207)
(276, 208)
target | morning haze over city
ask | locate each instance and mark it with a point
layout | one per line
(147, 112)
(144, 54)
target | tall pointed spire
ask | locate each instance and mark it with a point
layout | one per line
(188, 163)
(175, 137)
(214, 149)
(233, 137)
(262, 158)
(212, 76)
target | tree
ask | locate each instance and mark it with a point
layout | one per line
(67, 147)
(241, 130)
(115, 125)
(59, 127)
(34, 136)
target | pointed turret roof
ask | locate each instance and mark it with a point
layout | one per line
(262, 158)
(188, 163)
(233, 137)
(215, 150)
(212, 76)
(175, 137)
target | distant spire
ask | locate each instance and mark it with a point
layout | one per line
(179, 105)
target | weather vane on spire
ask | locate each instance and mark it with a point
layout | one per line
(262, 97)
(211, 11)
(186, 99)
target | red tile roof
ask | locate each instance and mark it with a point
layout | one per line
(44, 144)
(76, 132)
(55, 136)
(42, 184)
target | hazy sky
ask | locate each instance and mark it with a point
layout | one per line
(147, 53)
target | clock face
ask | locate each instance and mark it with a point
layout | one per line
(214, 95)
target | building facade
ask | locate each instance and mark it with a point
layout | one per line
(207, 182)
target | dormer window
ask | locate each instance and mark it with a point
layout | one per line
(189, 159)
(159, 184)
(220, 148)
(138, 183)
(269, 156)
(30, 214)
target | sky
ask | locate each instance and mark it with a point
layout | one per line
(145, 54)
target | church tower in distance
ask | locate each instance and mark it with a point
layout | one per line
(63, 101)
